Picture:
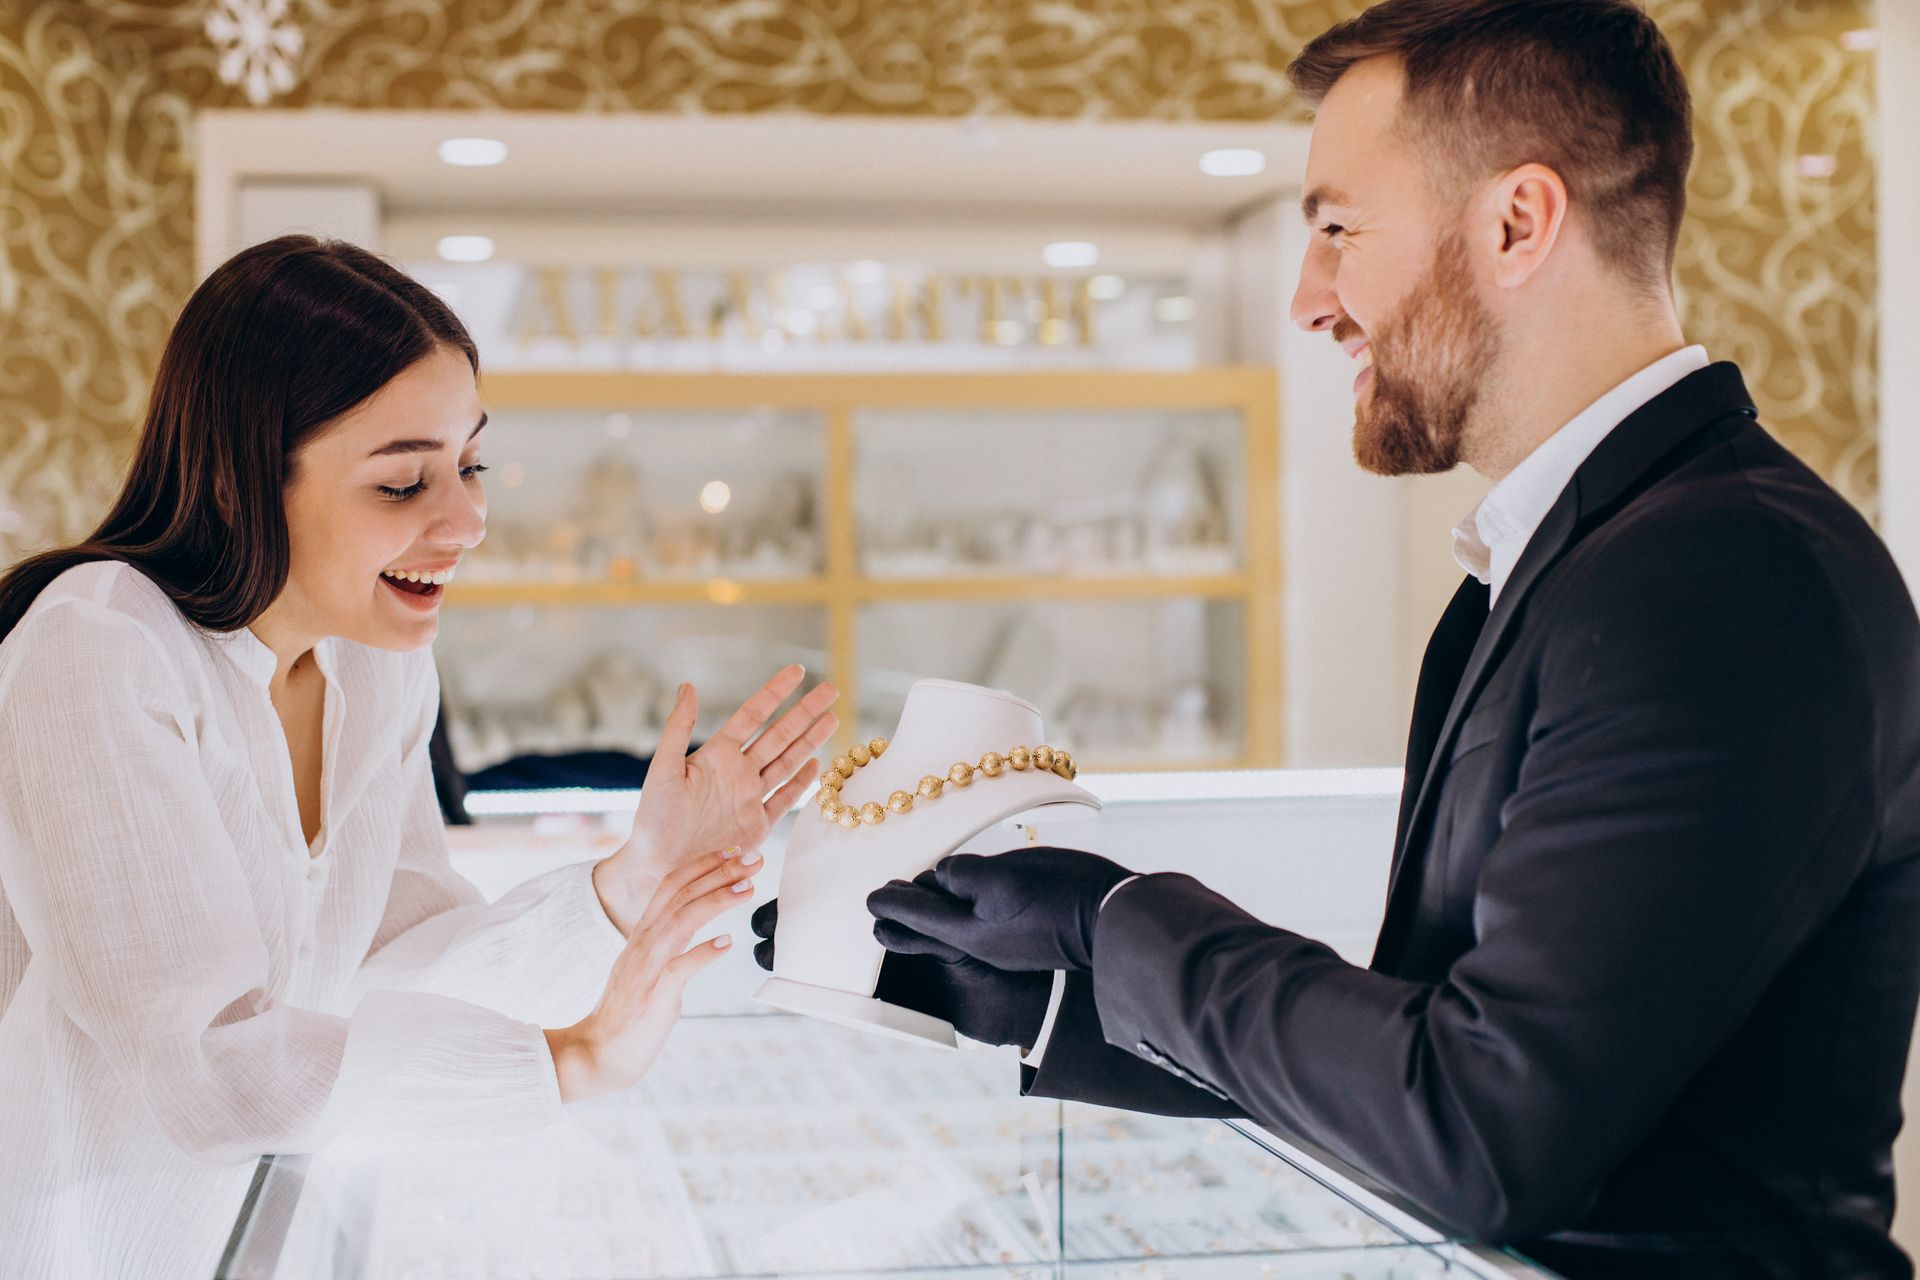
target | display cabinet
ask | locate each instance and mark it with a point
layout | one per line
(774, 1145)
(1104, 544)
(768, 1144)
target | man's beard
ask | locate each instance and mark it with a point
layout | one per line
(1429, 361)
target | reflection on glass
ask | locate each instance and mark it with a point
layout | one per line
(945, 493)
(1119, 683)
(523, 680)
(663, 496)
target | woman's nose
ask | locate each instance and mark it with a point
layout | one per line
(462, 518)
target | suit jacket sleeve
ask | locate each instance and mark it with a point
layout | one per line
(1696, 796)
(1080, 1066)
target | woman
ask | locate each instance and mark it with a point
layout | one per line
(228, 925)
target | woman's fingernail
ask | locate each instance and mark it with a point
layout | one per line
(731, 851)
(749, 860)
(743, 886)
(722, 942)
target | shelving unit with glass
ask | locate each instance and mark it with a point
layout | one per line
(1105, 544)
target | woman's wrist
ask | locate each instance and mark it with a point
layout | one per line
(625, 885)
(572, 1063)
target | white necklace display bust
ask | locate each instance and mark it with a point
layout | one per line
(826, 961)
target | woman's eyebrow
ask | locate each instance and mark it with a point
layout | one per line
(420, 446)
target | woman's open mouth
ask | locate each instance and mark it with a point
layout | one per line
(418, 590)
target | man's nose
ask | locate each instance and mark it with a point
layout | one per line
(1315, 305)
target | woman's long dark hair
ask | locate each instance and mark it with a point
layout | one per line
(280, 341)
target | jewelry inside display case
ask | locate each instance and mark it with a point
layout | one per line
(1105, 545)
(773, 1145)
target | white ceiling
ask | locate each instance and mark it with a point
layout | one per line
(1144, 172)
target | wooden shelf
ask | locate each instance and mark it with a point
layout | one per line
(699, 591)
(820, 591)
(841, 591)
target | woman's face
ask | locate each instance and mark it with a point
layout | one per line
(392, 490)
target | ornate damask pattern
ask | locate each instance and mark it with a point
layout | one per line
(97, 102)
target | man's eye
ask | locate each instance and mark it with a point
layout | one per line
(1333, 230)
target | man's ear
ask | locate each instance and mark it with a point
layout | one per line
(1530, 211)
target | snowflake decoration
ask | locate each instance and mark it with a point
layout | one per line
(257, 45)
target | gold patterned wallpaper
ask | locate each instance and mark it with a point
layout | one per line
(97, 105)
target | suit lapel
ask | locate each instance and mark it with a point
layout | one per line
(1644, 438)
(1446, 659)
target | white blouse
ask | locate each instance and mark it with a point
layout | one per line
(185, 985)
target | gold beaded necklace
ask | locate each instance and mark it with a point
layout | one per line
(931, 787)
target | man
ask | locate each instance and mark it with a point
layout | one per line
(1644, 990)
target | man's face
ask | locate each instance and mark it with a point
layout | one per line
(1387, 273)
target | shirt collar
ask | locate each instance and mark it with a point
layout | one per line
(1489, 541)
(256, 661)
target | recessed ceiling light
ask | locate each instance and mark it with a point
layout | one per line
(466, 248)
(715, 496)
(473, 152)
(1232, 162)
(1070, 253)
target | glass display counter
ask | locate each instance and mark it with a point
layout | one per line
(765, 1145)
(772, 1145)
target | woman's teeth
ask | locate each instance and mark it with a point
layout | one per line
(440, 579)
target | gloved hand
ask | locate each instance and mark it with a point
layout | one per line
(1023, 910)
(983, 1003)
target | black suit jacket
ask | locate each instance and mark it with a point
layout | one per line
(1643, 995)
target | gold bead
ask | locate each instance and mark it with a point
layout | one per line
(849, 817)
(1019, 757)
(900, 801)
(861, 756)
(1063, 765)
(827, 798)
(843, 765)
(961, 775)
(877, 748)
(1043, 757)
(992, 763)
(931, 787)
(872, 813)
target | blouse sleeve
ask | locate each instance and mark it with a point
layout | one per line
(541, 952)
(136, 907)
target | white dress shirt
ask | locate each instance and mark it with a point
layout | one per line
(1490, 540)
(186, 984)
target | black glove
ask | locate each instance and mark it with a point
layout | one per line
(1027, 909)
(983, 1003)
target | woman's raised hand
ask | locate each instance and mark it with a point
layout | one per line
(729, 793)
(612, 1047)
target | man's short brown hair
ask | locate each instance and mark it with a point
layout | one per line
(1589, 88)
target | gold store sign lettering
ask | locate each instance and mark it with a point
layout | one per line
(606, 304)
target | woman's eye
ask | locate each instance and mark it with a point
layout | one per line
(393, 494)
